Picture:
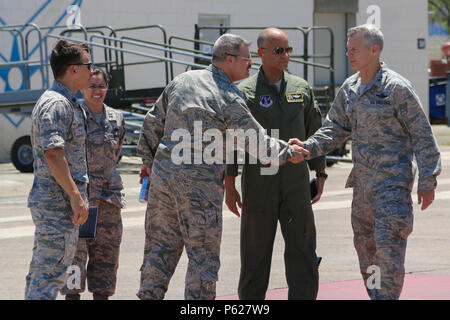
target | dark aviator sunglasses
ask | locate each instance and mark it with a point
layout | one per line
(89, 65)
(280, 50)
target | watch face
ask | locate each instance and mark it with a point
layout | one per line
(321, 175)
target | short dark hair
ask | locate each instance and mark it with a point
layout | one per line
(102, 72)
(64, 53)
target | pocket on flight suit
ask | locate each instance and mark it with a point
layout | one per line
(405, 225)
(112, 139)
(70, 247)
(203, 223)
(399, 219)
(206, 234)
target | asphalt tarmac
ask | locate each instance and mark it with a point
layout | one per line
(428, 251)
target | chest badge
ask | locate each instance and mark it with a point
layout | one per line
(266, 101)
(294, 97)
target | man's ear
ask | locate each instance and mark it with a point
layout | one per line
(376, 49)
(229, 59)
(260, 52)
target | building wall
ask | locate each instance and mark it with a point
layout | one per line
(178, 17)
(402, 23)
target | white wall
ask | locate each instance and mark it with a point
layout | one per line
(402, 23)
(178, 17)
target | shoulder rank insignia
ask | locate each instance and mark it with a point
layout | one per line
(294, 97)
(266, 101)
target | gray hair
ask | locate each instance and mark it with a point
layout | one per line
(370, 32)
(227, 44)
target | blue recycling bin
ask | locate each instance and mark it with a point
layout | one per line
(447, 108)
(437, 98)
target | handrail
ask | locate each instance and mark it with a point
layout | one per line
(76, 29)
(255, 66)
(152, 26)
(195, 41)
(39, 29)
(107, 53)
(25, 52)
(304, 30)
(129, 51)
(17, 63)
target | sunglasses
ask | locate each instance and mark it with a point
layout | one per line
(89, 65)
(280, 50)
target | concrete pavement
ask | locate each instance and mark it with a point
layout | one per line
(427, 253)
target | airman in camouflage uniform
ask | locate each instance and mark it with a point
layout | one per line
(381, 111)
(185, 200)
(58, 198)
(105, 134)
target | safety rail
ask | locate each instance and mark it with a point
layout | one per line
(306, 55)
(114, 46)
(325, 95)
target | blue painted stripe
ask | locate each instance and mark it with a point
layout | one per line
(4, 23)
(37, 13)
(15, 124)
(55, 24)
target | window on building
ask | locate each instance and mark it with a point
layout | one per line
(210, 35)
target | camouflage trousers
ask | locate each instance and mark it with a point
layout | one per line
(382, 222)
(100, 270)
(55, 243)
(173, 222)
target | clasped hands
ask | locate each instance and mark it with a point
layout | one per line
(300, 153)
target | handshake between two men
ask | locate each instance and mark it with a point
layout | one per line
(300, 153)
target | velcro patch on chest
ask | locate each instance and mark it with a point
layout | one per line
(294, 97)
(266, 101)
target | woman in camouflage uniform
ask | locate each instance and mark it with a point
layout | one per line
(105, 133)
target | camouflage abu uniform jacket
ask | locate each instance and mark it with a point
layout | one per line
(103, 145)
(57, 122)
(388, 128)
(202, 95)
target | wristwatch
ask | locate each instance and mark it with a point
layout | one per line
(321, 175)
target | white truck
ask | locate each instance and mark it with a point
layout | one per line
(15, 144)
(15, 128)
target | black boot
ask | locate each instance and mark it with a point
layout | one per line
(75, 296)
(100, 296)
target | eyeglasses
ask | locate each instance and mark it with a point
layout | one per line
(236, 56)
(92, 87)
(280, 50)
(89, 65)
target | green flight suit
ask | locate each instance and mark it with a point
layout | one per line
(284, 196)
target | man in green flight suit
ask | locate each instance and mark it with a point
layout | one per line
(284, 102)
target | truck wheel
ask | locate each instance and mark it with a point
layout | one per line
(22, 154)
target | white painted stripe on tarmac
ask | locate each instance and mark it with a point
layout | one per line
(28, 217)
(131, 222)
(15, 219)
(28, 231)
(332, 205)
(16, 232)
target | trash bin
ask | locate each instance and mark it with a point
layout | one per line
(437, 99)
